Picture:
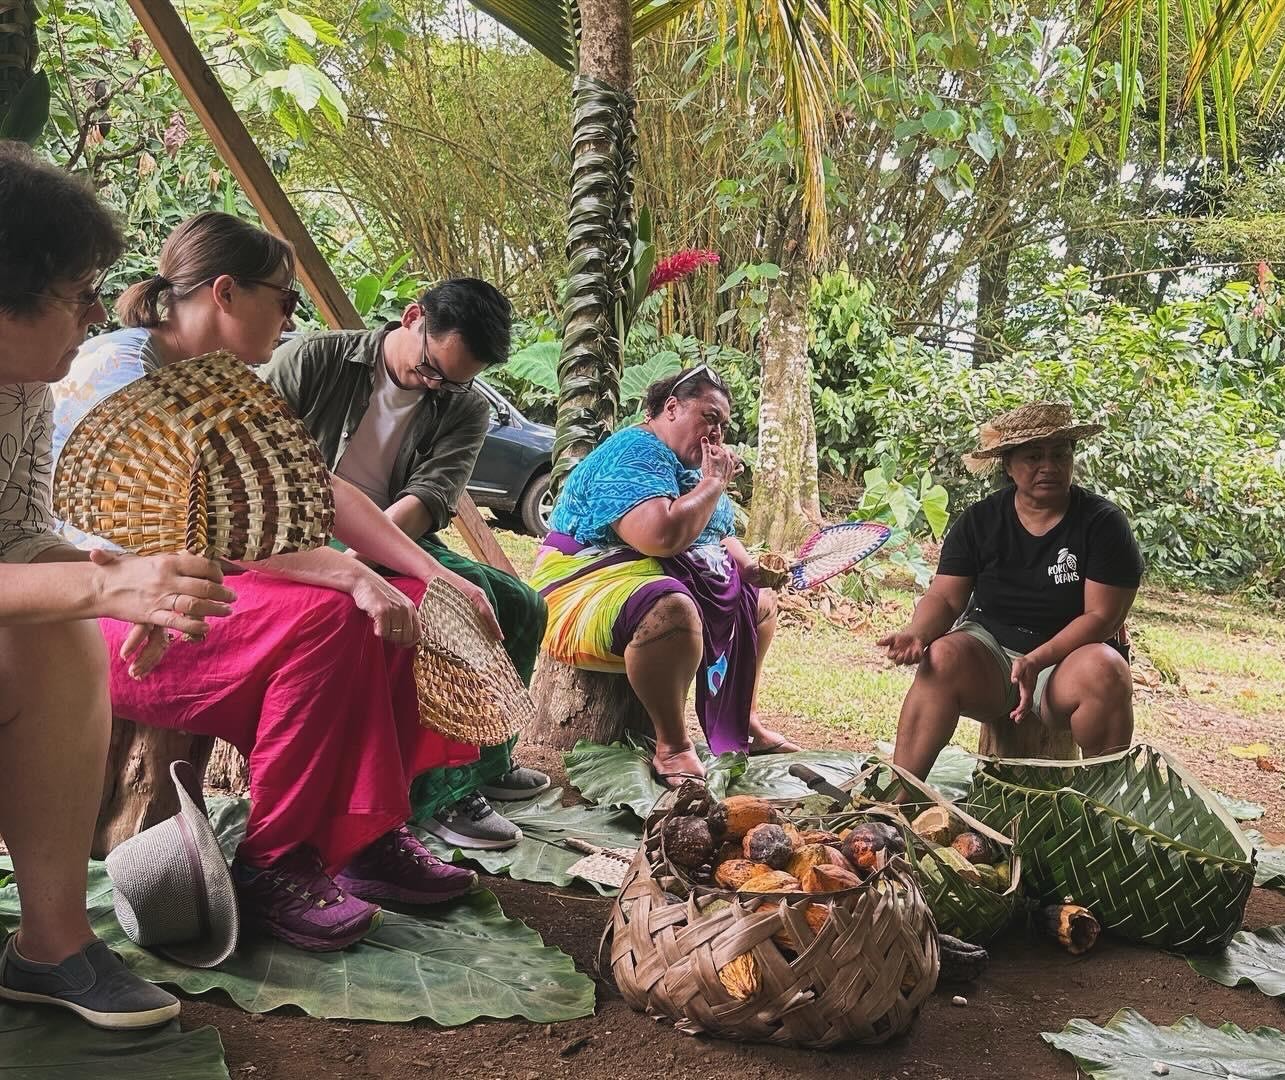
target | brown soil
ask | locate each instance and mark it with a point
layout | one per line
(1031, 986)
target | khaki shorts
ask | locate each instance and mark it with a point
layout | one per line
(1005, 657)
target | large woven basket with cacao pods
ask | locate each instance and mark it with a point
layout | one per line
(1132, 836)
(713, 931)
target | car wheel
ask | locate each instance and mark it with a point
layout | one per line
(536, 506)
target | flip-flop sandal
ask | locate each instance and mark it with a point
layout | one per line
(772, 748)
(666, 777)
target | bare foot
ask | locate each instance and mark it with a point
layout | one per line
(672, 767)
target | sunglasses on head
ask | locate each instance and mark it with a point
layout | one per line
(704, 370)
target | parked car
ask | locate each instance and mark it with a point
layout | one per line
(511, 476)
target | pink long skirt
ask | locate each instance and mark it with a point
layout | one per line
(324, 711)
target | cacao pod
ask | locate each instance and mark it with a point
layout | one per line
(974, 847)
(741, 977)
(768, 844)
(774, 881)
(733, 873)
(746, 811)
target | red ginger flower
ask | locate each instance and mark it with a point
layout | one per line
(678, 265)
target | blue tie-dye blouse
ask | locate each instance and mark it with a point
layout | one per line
(629, 468)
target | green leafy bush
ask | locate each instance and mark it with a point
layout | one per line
(1191, 454)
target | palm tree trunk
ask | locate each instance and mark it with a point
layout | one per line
(17, 47)
(786, 505)
(573, 704)
(600, 231)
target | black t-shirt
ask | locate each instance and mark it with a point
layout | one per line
(1026, 588)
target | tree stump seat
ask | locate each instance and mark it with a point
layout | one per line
(137, 790)
(1029, 739)
(573, 704)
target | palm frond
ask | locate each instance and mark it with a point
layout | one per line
(545, 25)
(1227, 44)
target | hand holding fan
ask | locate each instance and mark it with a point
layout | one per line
(200, 456)
(834, 550)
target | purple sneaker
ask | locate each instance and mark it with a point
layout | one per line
(295, 900)
(398, 868)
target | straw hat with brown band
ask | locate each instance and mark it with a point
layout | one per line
(1029, 423)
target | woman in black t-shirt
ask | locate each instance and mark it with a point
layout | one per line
(1043, 573)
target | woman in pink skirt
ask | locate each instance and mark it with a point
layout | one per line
(311, 677)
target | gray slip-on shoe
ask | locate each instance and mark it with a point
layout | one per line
(94, 983)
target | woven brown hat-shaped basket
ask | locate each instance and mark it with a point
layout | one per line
(757, 967)
(468, 687)
(202, 456)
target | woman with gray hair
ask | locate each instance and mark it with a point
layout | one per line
(1022, 621)
(56, 240)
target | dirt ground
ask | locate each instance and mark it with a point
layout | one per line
(1030, 987)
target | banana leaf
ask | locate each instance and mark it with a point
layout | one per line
(1270, 873)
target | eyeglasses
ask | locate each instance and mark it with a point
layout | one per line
(85, 301)
(708, 372)
(426, 369)
(290, 298)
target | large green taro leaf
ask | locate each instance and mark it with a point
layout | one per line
(50, 1044)
(620, 774)
(453, 964)
(768, 775)
(546, 824)
(1130, 1047)
(1253, 956)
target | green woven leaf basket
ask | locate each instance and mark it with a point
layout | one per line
(1132, 836)
(963, 909)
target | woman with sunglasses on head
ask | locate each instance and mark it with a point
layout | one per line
(313, 678)
(643, 574)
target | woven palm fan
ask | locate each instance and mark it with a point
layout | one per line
(201, 456)
(468, 688)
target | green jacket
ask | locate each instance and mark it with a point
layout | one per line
(327, 380)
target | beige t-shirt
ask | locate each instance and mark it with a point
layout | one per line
(372, 451)
(26, 467)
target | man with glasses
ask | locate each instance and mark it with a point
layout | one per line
(395, 413)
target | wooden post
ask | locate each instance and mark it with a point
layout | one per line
(137, 791)
(238, 150)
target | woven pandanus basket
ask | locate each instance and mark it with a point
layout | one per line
(963, 909)
(1132, 836)
(202, 456)
(860, 977)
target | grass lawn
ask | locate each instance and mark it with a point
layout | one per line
(824, 682)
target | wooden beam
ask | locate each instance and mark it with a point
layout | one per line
(240, 153)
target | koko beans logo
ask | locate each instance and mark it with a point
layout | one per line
(1066, 569)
